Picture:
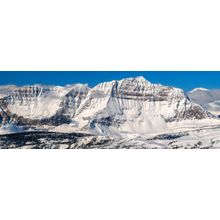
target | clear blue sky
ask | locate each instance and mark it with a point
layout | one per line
(184, 80)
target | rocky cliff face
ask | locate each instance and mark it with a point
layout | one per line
(44, 102)
(132, 105)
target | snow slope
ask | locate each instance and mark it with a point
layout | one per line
(199, 134)
(10, 128)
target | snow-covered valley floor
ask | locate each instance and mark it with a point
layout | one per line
(203, 134)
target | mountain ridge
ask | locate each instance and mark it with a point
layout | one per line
(130, 105)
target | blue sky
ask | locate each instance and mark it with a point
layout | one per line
(184, 80)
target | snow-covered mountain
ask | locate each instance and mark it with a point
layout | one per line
(117, 108)
(40, 102)
(127, 113)
(208, 99)
(134, 105)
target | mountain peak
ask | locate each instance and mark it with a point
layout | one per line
(138, 79)
(198, 89)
